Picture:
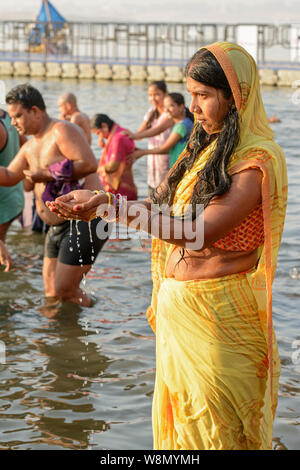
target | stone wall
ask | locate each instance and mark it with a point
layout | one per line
(129, 73)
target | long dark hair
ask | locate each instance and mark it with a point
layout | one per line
(162, 86)
(214, 179)
(178, 98)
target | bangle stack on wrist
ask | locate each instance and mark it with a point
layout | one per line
(115, 200)
(118, 203)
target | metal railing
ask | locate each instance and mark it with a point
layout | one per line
(135, 43)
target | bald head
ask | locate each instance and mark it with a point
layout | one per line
(68, 98)
(67, 104)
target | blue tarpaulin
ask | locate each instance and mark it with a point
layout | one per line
(48, 19)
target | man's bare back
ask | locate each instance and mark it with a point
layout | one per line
(82, 120)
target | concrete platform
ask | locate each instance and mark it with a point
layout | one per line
(37, 69)
(21, 69)
(103, 72)
(270, 73)
(53, 70)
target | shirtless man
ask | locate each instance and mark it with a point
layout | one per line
(69, 250)
(69, 111)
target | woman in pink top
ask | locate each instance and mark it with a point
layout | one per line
(157, 127)
(115, 168)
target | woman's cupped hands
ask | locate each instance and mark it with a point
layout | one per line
(80, 204)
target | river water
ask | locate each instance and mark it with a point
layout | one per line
(84, 379)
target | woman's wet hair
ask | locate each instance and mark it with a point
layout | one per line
(27, 96)
(178, 98)
(214, 179)
(204, 67)
(162, 86)
(98, 119)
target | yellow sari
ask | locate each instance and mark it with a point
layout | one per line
(217, 364)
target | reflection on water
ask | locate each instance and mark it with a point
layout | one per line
(69, 379)
(79, 378)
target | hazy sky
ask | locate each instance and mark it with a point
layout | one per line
(189, 11)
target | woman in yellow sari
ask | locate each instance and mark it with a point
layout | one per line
(217, 364)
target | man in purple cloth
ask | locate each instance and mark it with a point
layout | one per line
(54, 161)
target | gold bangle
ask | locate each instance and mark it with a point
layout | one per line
(109, 197)
(96, 191)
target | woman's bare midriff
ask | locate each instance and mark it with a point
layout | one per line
(91, 182)
(208, 264)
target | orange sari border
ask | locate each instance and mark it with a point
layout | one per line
(229, 71)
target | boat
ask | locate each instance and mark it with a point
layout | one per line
(49, 34)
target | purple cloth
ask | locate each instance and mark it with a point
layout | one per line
(63, 183)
